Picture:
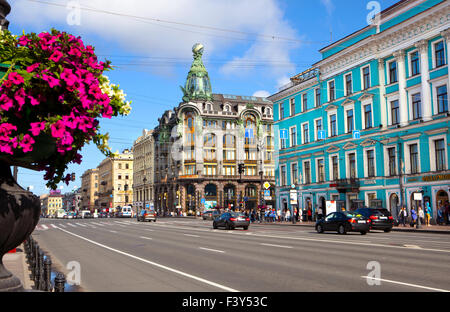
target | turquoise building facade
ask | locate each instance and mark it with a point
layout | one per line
(368, 125)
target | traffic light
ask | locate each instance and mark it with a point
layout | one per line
(73, 177)
(241, 168)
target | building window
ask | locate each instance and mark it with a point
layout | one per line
(395, 112)
(370, 164)
(318, 127)
(350, 121)
(331, 91)
(440, 154)
(335, 165)
(293, 136)
(416, 103)
(348, 84)
(321, 170)
(209, 170)
(439, 54)
(318, 101)
(442, 99)
(292, 106)
(393, 72)
(392, 163)
(415, 65)
(333, 125)
(352, 165)
(281, 110)
(294, 173)
(307, 172)
(368, 116)
(283, 176)
(127, 166)
(366, 77)
(283, 140)
(414, 158)
(304, 102)
(305, 133)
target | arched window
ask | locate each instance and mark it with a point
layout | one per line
(229, 151)
(211, 190)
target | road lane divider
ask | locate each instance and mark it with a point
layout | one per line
(278, 246)
(405, 284)
(143, 237)
(213, 250)
(199, 279)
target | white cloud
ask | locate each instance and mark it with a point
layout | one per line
(153, 38)
(261, 93)
(283, 81)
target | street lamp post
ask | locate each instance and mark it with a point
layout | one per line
(145, 199)
(5, 9)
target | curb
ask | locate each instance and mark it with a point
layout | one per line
(394, 229)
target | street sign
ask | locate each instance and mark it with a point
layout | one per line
(293, 196)
(267, 193)
(266, 185)
(203, 201)
(284, 134)
(418, 196)
(246, 198)
(268, 198)
(147, 206)
(321, 134)
(356, 135)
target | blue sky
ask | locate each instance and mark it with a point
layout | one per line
(250, 46)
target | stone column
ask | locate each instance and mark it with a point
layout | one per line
(446, 35)
(381, 74)
(422, 46)
(403, 103)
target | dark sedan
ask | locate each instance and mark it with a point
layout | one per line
(232, 220)
(146, 215)
(381, 219)
(343, 222)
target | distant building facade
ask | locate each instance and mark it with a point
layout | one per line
(143, 170)
(369, 123)
(115, 176)
(89, 189)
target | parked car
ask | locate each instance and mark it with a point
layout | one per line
(88, 215)
(232, 220)
(146, 215)
(381, 219)
(210, 214)
(343, 222)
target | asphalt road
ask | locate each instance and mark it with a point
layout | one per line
(187, 255)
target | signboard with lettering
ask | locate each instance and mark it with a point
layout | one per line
(356, 134)
(321, 134)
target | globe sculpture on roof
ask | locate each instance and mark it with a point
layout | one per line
(198, 85)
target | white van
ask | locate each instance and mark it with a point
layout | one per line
(126, 212)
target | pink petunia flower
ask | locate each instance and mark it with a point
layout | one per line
(15, 78)
(27, 143)
(37, 127)
(56, 56)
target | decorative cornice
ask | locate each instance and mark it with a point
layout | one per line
(422, 46)
(365, 95)
(348, 102)
(331, 107)
(436, 131)
(446, 34)
(333, 149)
(368, 142)
(349, 146)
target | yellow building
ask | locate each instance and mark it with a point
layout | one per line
(116, 181)
(51, 203)
(89, 189)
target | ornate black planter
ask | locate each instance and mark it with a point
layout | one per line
(19, 215)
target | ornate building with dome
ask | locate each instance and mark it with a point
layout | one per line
(214, 150)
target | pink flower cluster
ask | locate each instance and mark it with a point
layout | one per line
(64, 72)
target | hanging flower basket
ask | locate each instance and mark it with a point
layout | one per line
(53, 92)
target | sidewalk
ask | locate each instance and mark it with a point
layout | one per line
(16, 264)
(440, 229)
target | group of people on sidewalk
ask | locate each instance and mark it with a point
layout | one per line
(424, 215)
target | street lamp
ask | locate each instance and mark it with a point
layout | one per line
(144, 180)
(5, 9)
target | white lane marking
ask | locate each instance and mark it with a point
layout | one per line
(92, 226)
(148, 230)
(72, 225)
(63, 225)
(80, 224)
(121, 222)
(213, 250)
(44, 227)
(113, 231)
(190, 235)
(143, 237)
(279, 246)
(406, 284)
(53, 226)
(413, 246)
(99, 224)
(225, 288)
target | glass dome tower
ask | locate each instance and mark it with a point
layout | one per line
(198, 85)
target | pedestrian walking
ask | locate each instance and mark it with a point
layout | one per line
(403, 214)
(421, 215)
(427, 214)
(439, 219)
(309, 213)
(288, 215)
(413, 217)
(320, 213)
